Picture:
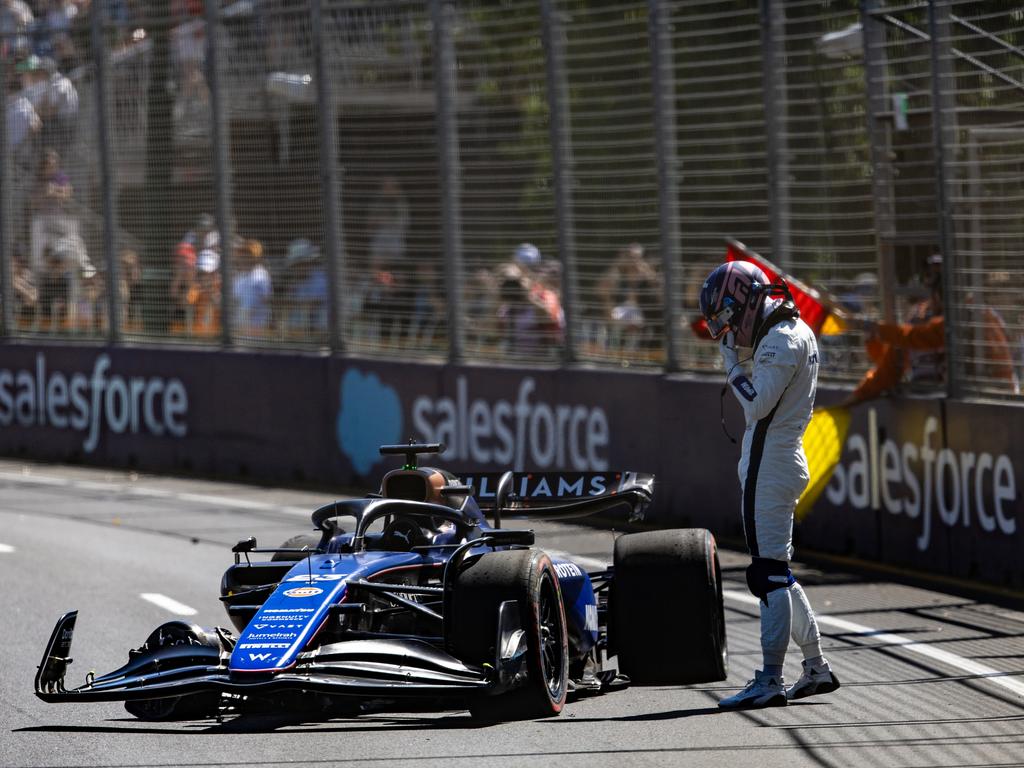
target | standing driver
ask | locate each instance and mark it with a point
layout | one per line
(777, 398)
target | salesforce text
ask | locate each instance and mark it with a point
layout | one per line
(519, 433)
(91, 403)
(915, 479)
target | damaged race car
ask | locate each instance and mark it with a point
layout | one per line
(423, 598)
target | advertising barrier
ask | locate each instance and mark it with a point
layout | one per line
(925, 483)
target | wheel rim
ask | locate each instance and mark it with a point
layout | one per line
(552, 652)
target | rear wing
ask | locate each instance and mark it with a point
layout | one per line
(559, 495)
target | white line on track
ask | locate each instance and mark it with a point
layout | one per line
(25, 477)
(168, 604)
(134, 490)
(968, 666)
(6, 549)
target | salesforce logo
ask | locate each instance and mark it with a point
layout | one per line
(928, 483)
(94, 404)
(369, 415)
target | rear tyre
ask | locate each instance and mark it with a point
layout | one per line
(667, 619)
(192, 706)
(309, 540)
(528, 577)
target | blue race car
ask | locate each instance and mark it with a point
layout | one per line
(422, 598)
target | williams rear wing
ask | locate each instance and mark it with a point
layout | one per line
(560, 495)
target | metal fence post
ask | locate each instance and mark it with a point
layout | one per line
(664, 86)
(942, 137)
(101, 63)
(773, 28)
(330, 188)
(875, 66)
(6, 214)
(221, 169)
(561, 162)
(445, 90)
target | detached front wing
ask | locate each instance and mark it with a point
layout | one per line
(359, 668)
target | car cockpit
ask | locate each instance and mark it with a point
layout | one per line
(426, 485)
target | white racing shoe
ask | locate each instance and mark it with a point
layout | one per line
(812, 682)
(762, 691)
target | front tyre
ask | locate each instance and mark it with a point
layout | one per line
(188, 707)
(667, 617)
(528, 577)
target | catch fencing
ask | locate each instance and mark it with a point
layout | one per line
(533, 181)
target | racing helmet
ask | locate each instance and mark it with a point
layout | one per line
(731, 298)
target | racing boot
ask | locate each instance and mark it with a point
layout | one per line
(763, 691)
(813, 681)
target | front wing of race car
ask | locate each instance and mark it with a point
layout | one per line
(386, 668)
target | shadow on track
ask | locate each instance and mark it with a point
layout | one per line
(269, 724)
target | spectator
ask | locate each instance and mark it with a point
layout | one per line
(51, 208)
(184, 288)
(481, 308)
(56, 101)
(130, 289)
(80, 279)
(530, 317)
(916, 350)
(53, 291)
(23, 128)
(23, 121)
(630, 296)
(26, 292)
(16, 20)
(203, 234)
(427, 305)
(306, 289)
(250, 288)
(206, 319)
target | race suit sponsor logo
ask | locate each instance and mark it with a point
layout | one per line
(317, 577)
(517, 432)
(303, 592)
(93, 404)
(262, 645)
(918, 480)
(568, 570)
(745, 388)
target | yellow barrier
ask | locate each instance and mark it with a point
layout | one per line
(823, 444)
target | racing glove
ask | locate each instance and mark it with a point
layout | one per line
(730, 357)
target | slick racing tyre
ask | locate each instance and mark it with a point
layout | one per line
(667, 622)
(308, 540)
(528, 577)
(191, 706)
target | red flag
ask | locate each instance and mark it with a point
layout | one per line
(809, 301)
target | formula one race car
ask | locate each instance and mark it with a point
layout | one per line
(423, 598)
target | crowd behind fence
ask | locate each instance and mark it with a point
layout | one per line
(537, 181)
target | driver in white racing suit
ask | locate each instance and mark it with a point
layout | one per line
(777, 398)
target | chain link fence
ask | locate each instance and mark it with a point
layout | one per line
(536, 181)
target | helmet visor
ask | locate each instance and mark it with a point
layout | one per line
(718, 323)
